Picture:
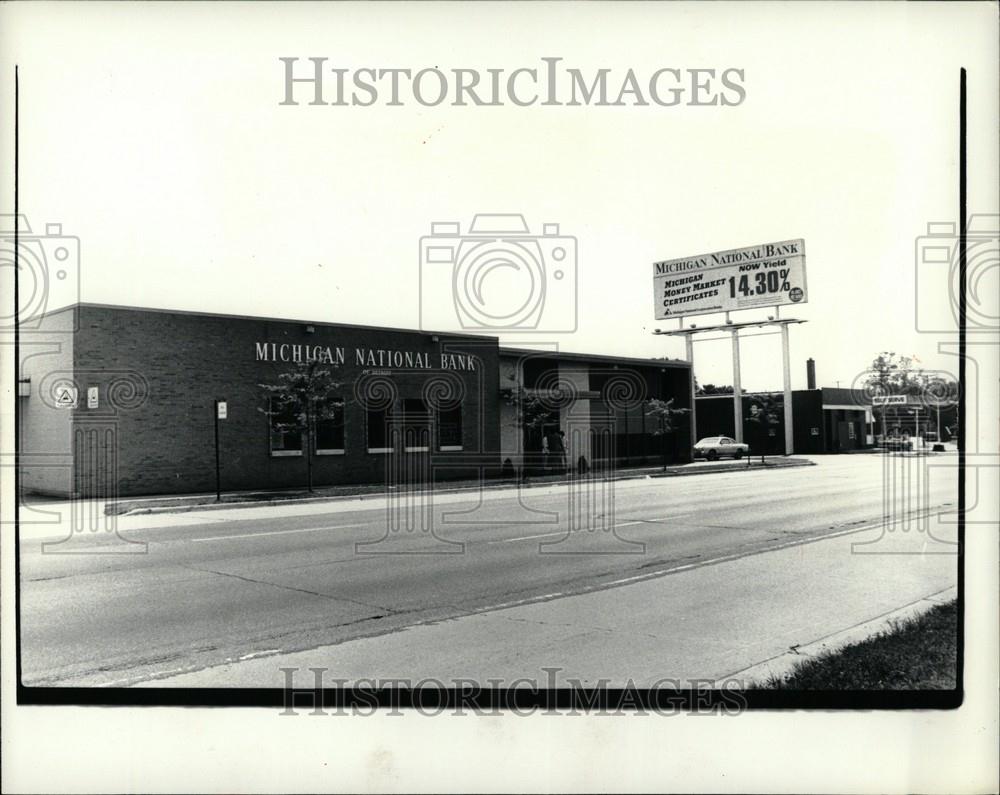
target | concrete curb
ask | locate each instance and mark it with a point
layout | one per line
(782, 665)
(136, 508)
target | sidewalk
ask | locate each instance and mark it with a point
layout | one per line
(731, 618)
(189, 502)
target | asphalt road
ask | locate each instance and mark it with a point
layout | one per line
(221, 586)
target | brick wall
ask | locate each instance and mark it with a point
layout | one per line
(159, 373)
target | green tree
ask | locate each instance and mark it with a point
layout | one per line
(302, 396)
(666, 417)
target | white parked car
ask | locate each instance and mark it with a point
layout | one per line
(712, 447)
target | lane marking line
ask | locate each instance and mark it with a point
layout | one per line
(526, 538)
(567, 531)
(277, 532)
(872, 525)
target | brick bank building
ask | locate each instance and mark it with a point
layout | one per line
(121, 401)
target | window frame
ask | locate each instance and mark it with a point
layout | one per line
(424, 429)
(323, 451)
(283, 452)
(386, 413)
(449, 448)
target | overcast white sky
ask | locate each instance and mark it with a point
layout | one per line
(154, 133)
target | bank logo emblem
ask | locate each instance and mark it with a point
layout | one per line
(498, 276)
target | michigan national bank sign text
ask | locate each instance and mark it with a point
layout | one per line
(769, 274)
(363, 357)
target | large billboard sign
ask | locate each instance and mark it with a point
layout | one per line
(770, 274)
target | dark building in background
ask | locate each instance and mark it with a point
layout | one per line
(826, 420)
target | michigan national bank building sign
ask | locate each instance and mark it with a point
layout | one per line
(361, 356)
(769, 274)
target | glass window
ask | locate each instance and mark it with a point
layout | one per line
(416, 426)
(330, 429)
(377, 428)
(286, 437)
(449, 425)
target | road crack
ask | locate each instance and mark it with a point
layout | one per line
(333, 597)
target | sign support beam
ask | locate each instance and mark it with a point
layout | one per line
(737, 389)
(732, 328)
(787, 377)
(689, 348)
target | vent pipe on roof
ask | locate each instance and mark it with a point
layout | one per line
(810, 373)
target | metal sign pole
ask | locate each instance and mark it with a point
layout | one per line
(737, 389)
(787, 373)
(689, 348)
(218, 470)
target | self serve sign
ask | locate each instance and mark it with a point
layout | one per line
(889, 400)
(769, 274)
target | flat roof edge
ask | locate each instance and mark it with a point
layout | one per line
(608, 357)
(268, 319)
(328, 323)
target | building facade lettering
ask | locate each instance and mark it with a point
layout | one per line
(363, 357)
